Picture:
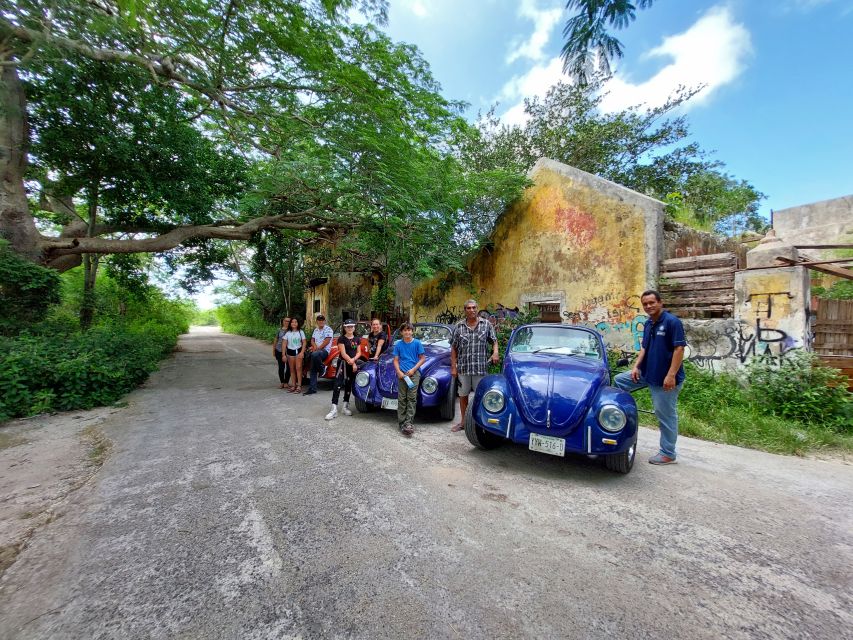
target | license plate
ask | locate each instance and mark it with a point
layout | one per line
(548, 444)
(389, 403)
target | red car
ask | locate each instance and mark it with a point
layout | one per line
(362, 329)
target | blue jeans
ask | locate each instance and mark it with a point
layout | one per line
(317, 358)
(665, 409)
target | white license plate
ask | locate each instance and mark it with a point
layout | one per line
(548, 444)
(389, 403)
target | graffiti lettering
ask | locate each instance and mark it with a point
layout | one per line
(764, 302)
(710, 347)
(450, 315)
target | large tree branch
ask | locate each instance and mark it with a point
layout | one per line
(56, 250)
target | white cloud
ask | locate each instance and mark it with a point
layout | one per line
(712, 52)
(419, 9)
(544, 22)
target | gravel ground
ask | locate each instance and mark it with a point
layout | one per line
(227, 508)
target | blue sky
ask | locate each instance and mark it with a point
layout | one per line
(778, 107)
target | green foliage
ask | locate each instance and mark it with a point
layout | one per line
(504, 329)
(587, 37)
(245, 318)
(800, 387)
(51, 366)
(26, 291)
(728, 409)
(382, 298)
(841, 290)
(205, 318)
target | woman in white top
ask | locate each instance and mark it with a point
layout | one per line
(295, 343)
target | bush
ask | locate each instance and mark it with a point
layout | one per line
(800, 387)
(205, 318)
(86, 370)
(26, 290)
(52, 365)
(245, 318)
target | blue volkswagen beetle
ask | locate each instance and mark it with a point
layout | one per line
(555, 396)
(376, 382)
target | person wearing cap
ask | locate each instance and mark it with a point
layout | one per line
(349, 351)
(321, 344)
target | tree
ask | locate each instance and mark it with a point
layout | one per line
(587, 38)
(126, 150)
(644, 149)
(337, 120)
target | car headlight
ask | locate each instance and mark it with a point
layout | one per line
(493, 401)
(611, 418)
(362, 379)
(429, 384)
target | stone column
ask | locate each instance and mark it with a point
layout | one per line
(772, 303)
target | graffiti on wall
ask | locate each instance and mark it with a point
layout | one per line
(711, 344)
(620, 321)
(732, 342)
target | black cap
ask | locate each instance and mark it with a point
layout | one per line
(321, 317)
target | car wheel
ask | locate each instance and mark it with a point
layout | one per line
(478, 436)
(622, 462)
(363, 407)
(447, 409)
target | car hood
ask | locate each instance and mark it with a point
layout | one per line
(565, 385)
(387, 375)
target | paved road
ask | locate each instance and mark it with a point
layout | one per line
(229, 509)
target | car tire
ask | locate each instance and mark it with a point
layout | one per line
(447, 409)
(622, 462)
(362, 406)
(478, 436)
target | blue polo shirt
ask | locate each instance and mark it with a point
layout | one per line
(660, 340)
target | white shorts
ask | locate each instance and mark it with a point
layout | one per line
(468, 383)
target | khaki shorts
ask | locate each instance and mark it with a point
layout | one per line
(468, 383)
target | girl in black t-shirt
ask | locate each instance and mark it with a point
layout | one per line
(349, 350)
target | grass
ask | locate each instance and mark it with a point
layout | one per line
(718, 409)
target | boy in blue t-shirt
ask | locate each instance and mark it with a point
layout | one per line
(409, 356)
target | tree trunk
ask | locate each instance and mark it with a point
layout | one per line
(16, 222)
(90, 267)
(88, 304)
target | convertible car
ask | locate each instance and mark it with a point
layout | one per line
(362, 329)
(376, 382)
(555, 396)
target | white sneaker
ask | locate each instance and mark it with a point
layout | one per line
(347, 411)
(332, 414)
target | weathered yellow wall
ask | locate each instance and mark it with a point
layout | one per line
(562, 241)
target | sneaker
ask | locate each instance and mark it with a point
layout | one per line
(309, 392)
(332, 414)
(347, 411)
(408, 430)
(661, 459)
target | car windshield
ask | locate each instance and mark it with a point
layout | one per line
(556, 339)
(434, 335)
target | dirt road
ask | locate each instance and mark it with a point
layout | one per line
(229, 509)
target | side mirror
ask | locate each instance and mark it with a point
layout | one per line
(623, 362)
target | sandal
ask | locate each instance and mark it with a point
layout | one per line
(456, 428)
(298, 390)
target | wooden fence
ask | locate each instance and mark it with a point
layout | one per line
(699, 286)
(833, 334)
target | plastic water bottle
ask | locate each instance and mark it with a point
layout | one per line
(409, 382)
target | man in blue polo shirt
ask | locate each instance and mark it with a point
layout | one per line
(658, 367)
